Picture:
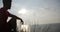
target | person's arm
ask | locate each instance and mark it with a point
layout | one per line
(11, 15)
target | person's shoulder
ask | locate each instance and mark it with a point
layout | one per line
(1, 9)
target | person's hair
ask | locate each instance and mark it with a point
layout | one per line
(7, 3)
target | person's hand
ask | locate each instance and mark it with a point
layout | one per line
(22, 22)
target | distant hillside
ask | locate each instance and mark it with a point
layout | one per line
(46, 28)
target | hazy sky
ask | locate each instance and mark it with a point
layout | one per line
(36, 11)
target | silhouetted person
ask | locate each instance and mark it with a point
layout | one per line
(4, 27)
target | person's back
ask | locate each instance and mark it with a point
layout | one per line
(3, 20)
(4, 27)
(3, 16)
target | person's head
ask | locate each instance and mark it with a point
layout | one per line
(7, 4)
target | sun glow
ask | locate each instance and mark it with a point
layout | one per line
(22, 11)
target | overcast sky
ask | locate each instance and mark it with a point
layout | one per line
(36, 11)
